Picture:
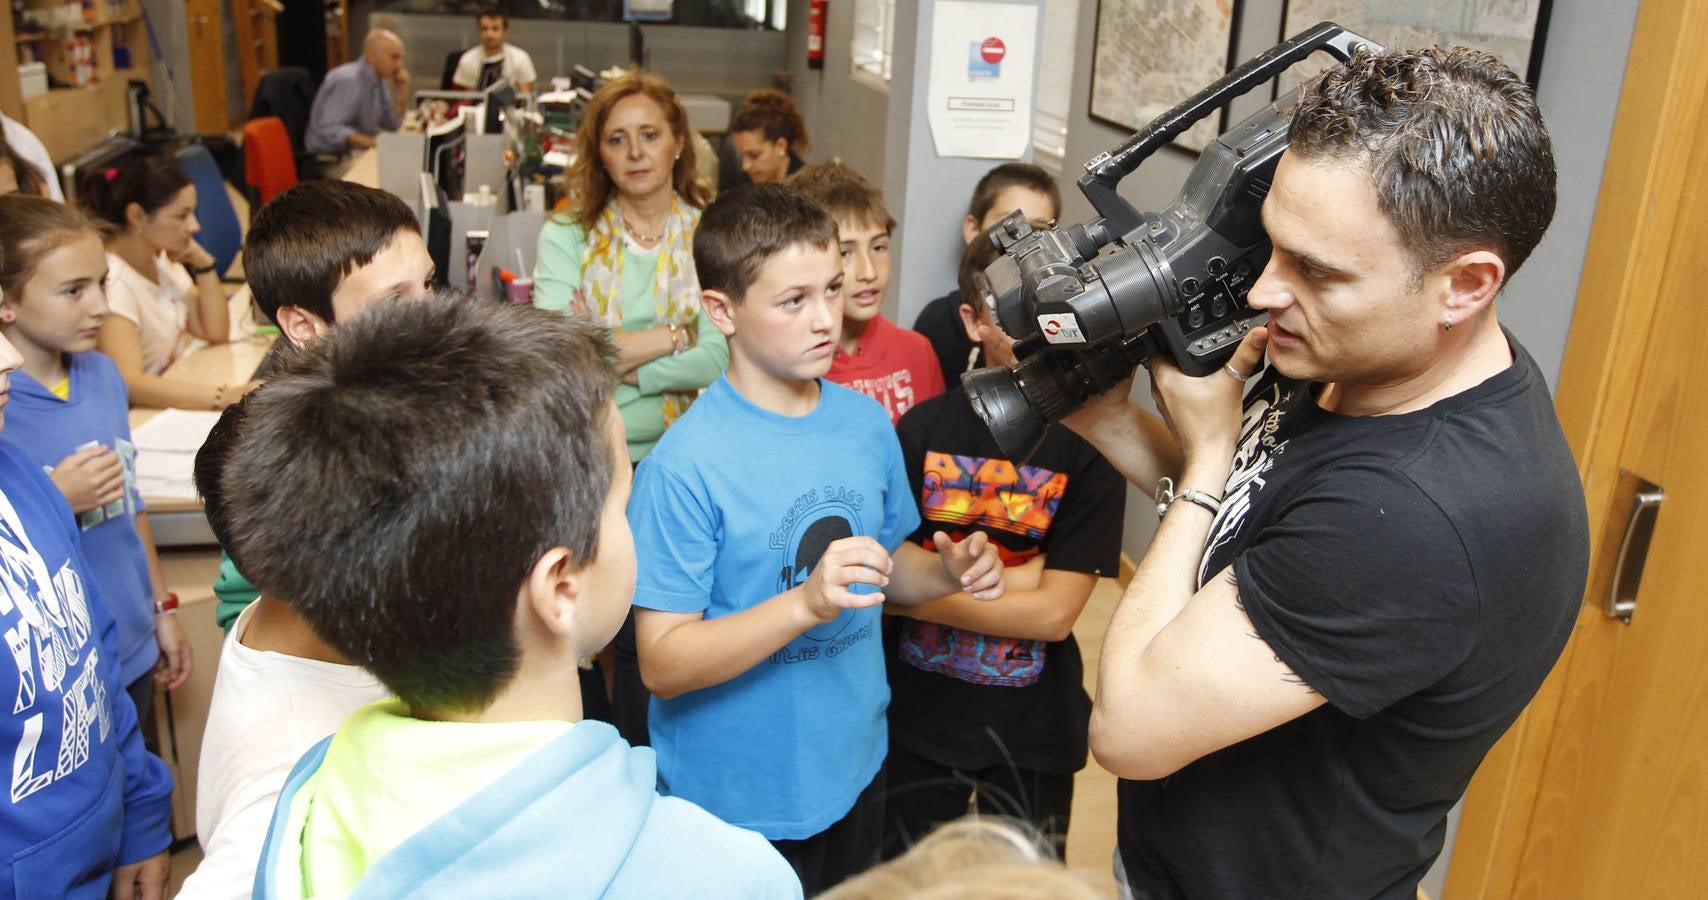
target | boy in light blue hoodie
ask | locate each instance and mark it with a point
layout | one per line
(439, 489)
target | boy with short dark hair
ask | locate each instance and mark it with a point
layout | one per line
(1002, 190)
(320, 253)
(988, 699)
(323, 251)
(772, 517)
(468, 563)
(874, 355)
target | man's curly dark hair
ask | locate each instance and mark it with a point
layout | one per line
(1454, 144)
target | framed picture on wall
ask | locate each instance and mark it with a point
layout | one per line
(1510, 29)
(1149, 55)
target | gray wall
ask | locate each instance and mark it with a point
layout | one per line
(927, 193)
(846, 118)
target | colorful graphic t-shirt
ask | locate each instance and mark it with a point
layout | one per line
(735, 506)
(973, 700)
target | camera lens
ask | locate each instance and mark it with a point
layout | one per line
(997, 398)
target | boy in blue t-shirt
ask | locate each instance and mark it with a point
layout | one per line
(771, 523)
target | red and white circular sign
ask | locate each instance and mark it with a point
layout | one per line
(993, 50)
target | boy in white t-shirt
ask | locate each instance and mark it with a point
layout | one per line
(270, 703)
(320, 253)
(494, 59)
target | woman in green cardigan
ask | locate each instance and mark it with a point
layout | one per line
(623, 252)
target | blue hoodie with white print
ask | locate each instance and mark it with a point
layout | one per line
(84, 797)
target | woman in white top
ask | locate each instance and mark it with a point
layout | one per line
(163, 289)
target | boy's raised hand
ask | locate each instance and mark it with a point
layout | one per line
(847, 561)
(973, 563)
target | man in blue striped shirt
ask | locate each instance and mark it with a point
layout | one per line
(353, 103)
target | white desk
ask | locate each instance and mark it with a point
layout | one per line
(178, 521)
(365, 168)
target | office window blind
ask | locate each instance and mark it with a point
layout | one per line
(873, 38)
(1055, 84)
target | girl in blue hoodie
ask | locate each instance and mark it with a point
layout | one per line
(86, 810)
(70, 414)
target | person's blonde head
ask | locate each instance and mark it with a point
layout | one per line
(591, 185)
(989, 859)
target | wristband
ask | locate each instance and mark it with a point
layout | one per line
(1166, 497)
(167, 607)
(199, 272)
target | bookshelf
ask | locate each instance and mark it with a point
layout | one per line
(91, 51)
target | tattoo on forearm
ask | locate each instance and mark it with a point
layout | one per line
(1287, 674)
(1290, 678)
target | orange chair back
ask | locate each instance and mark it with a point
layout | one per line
(268, 163)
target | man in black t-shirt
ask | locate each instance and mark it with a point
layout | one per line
(987, 700)
(1359, 583)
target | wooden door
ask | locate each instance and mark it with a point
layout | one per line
(203, 24)
(1601, 790)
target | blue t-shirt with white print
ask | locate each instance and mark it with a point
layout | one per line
(735, 506)
(48, 430)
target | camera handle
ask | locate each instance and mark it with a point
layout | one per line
(1105, 171)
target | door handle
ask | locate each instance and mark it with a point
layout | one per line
(1645, 506)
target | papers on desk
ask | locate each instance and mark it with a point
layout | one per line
(166, 448)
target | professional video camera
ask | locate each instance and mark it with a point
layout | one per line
(1088, 303)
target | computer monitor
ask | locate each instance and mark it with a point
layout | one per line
(500, 98)
(106, 154)
(445, 155)
(436, 228)
(637, 46)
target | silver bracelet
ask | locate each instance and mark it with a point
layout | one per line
(1165, 498)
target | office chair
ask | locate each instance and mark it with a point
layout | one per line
(269, 166)
(221, 233)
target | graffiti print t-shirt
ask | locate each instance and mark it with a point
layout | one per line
(972, 700)
(735, 506)
(1421, 572)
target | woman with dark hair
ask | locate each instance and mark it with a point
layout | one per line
(768, 133)
(163, 287)
(623, 253)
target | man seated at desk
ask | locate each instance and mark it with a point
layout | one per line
(494, 59)
(353, 105)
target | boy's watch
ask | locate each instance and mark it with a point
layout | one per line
(199, 271)
(166, 607)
